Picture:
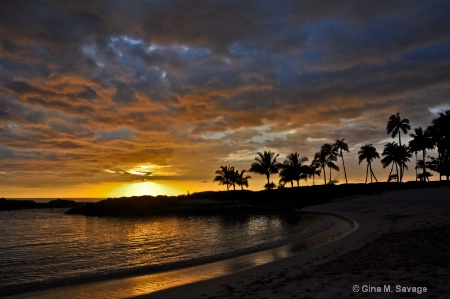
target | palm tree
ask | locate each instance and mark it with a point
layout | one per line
(325, 158)
(313, 169)
(389, 158)
(440, 134)
(284, 179)
(331, 155)
(226, 176)
(242, 180)
(421, 142)
(368, 153)
(293, 169)
(404, 153)
(266, 164)
(414, 146)
(396, 125)
(424, 176)
(397, 155)
(287, 174)
(320, 160)
(340, 146)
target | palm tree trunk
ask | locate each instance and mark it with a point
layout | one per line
(372, 174)
(367, 172)
(392, 168)
(402, 170)
(324, 176)
(343, 164)
(423, 159)
(416, 165)
(396, 167)
(399, 179)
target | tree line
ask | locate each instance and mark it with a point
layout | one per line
(396, 155)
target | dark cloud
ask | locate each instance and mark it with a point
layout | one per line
(123, 94)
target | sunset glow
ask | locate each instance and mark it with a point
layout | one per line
(143, 98)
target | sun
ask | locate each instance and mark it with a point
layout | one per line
(144, 188)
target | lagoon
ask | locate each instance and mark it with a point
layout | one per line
(46, 248)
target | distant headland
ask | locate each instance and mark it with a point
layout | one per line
(239, 201)
(16, 204)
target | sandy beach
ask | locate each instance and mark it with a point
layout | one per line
(400, 249)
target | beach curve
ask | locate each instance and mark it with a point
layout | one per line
(313, 273)
(388, 222)
(331, 228)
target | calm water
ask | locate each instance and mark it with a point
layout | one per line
(46, 247)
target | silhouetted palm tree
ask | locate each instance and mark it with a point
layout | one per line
(266, 164)
(324, 158)
(293, 169)
(421, 142)
(396, 125)
(284, 179)
(330, 154)
(242, 180)
(389, 158)
(331, 166)
(313, 170)
(368, 153)
(414, 147)
(398, 155)
(403, 156)
(320, 159)
(340, 146)
(440, 134)
(424, 176)
(226, 176)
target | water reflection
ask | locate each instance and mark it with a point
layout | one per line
(44, 248)
(333, 228)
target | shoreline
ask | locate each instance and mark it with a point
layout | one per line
(397, 216)
(306, 274)
(331, 228)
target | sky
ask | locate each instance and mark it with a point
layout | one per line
(119, 98)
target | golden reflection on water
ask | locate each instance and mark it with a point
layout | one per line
(147, 284)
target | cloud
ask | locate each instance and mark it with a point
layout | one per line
(119, 134)
(191, 84)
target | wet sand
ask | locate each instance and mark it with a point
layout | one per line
(399, 249)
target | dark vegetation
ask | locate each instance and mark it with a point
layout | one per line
(395, 155)
(239, 201)
(14, 204)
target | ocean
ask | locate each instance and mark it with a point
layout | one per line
(42, 248)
